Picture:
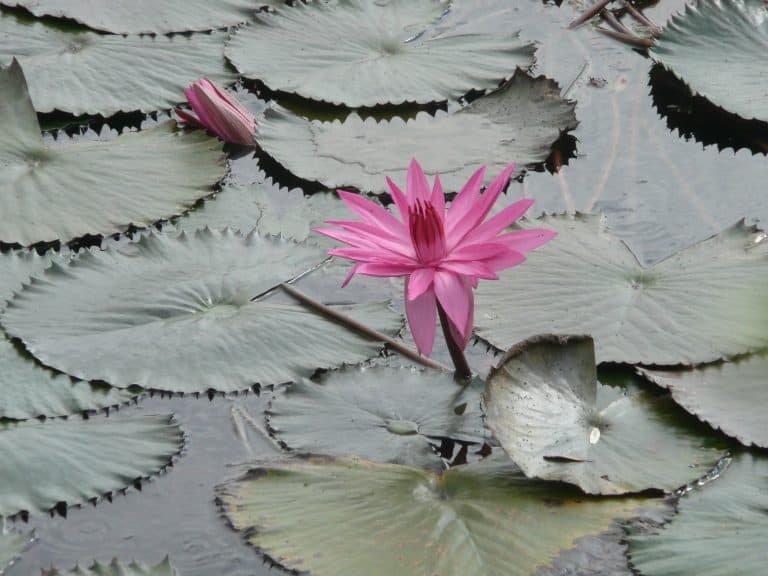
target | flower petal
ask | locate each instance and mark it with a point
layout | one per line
(422, 319)
(364, 234)
(419, 282)
(401, 201)
(507, 260)
(490, 228)
(478, 269)
(462, 335)
(525, 240)
(221, 113)
(417, 186)
(372, 212)
(373, 255)
(383, 269)
(455, 296)
(464, 199)
(438, 198)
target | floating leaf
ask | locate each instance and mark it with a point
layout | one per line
(12, 544)
(716, 45)
(174, 313)
(701, 304)
(73, 461)
(68, 191)
(344, 517)
(84, 72)
(381, 414)
(518, 123)
(544, 405)
(117, 568)
(382, 60)
(731, 396)
(721, 528)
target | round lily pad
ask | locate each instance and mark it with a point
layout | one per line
(546, 408)
(731, 396)
(73, 461)
(718, 48)
(383, 58)
(175, 313)
(117, 568)
(12, 544)
(704, 303)
(381, 414)
(349, 517)
(518, 123)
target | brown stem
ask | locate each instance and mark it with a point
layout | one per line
(337, 316)
(639, 16)
(614, 23)
(631, 39)
(457, 353)
(589, 13)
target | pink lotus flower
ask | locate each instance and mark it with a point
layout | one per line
(219, 112)
(442, 253)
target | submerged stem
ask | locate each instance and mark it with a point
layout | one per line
(457, 353)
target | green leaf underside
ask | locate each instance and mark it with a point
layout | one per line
(117, 568)
(721, 528)
(702, 304)
(12, 544)
(147, 16)
(174, 313)
(382, 60)
(351, 517)
(731, 396)
(716, 45)
(89, 73)
(546, 408)
(381, 414)
(74, 461)
(517, 123)
(63, 192)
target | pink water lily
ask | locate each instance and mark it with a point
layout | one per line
(442, 253)
(219, 112)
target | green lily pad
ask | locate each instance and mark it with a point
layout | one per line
(12, 544)
(720, 529)
(63, 192)
(731, 396)
(518, 123)
(382, 60)
(351, 517)
(117, 568)
(73, 461)
(381, 414)
(702, 304)
(546, 408)
(147, 16)
(175, 313)
(717, 45)
(83, 72)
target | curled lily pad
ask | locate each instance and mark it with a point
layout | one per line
(175, 313)
(546, 408)
(12, 544)
(517, 123)
(73, 461)
(702, 304)
(717, 45)
(382, 414)
(343, 517)
(84, 72)
(117, 568)
(383, 58)
(731, 396)
(721, 528)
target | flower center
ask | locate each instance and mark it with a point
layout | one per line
(427, 232)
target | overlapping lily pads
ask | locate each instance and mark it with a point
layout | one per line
(83, 72)
(381, 414)
(383, 58)
(721, 528)
(518, 123)
(718, 48)
(350, 517)
(12, 544)
(702, 304)
(731, 396)
(175, 313)
(117, 568)
(73, 461)
(63, 192)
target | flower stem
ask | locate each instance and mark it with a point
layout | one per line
(463, 370)
(337, 316)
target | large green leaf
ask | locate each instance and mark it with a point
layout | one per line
(117, 568)
(381, 414)
(701, 304)
(73, 461)
(721, 528)
(351, 517)
(63, 192)
(147, 16)
(546, 408)
(731, 396)
(175, 313)
(12, 544)
(83, 72)
(517, 123)
(718, 48)
(382, 59)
